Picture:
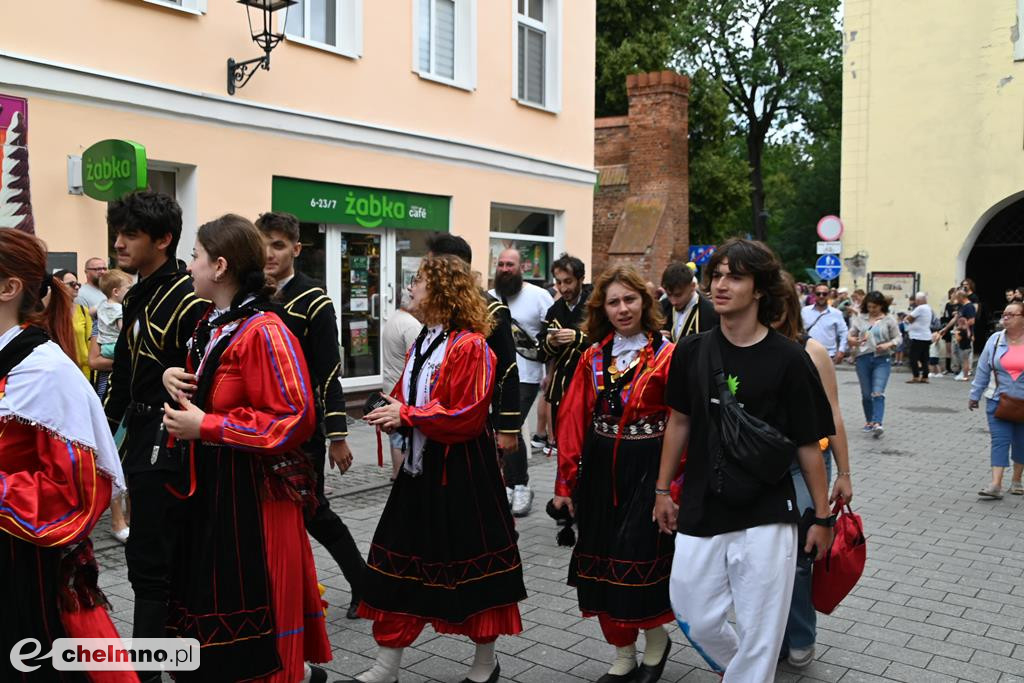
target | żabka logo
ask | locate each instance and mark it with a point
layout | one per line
(108, 654)
(103, 172)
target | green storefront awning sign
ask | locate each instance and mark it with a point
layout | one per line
(113, 168)
(315, 202)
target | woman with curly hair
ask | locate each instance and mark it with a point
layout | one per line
(610, 427)
(445, 551)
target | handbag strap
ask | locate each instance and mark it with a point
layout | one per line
(715, 364)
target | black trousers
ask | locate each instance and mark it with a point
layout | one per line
(157, 516)
(919, 357)
(515, 469)
(328, 529)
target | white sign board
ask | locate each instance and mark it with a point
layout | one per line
(830, 247)
(830, 228)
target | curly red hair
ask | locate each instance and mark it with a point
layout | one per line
(453, 298)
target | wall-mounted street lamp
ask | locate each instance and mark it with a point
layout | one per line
(240, 73)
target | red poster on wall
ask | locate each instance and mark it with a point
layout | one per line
(15, 200)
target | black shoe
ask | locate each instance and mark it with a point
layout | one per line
(317, 675)
(493, 678)
(150, 621)
(619, 678)
(652, 674)
(353, 609)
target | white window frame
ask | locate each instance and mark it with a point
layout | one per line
(556, 239)
(465, 46)
(349, 29)
(197, 7)
(552, 28)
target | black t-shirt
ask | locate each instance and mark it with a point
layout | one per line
(776, 381)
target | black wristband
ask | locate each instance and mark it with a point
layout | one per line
(829, 521)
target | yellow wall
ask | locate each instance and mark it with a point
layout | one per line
(141, 40)
(235, 168)
(933, 131)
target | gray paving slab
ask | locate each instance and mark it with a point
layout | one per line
(942, 598)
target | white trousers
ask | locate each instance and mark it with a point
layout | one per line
(751, 571)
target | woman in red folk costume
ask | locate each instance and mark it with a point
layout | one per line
(245, 586)
(610, 426)
(58, 469)
(445, 548)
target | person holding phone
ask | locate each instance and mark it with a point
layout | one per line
(445, 550)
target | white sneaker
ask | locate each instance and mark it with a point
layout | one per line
(522, 501)
(959, 377)
(508, 492)
(800, 657)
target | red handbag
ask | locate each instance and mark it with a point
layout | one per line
(836, 573)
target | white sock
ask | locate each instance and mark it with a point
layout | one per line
(625, 660)
(385, 670)
(483, 662)
(306, 672)
(654, 647)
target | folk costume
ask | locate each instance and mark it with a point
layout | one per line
(699, 316)
(309, 314)
(505, 413)
(58, 470)
(611, 424)
(565, 358)
(245, 583)
(160, 314)
(445, 548)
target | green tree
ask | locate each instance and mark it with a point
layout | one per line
(632, 37)
(719, 184)
(776, 61)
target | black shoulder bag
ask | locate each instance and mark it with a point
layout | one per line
(747, 454)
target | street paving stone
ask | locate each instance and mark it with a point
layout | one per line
(942, 598)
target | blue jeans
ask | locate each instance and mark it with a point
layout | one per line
(1005, 434)
(873, 372)
(801, 629)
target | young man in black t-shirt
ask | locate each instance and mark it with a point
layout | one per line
(730, 556)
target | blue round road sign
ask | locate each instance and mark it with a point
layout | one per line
(828, 266)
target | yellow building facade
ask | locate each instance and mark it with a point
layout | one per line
(378, 123)
(933, 145)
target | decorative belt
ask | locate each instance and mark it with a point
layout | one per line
(649, 427)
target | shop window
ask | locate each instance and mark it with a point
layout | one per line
(312, 260)
(529, 231)
(538, 62)
(444, 39)
(191, 6)
(335, 25)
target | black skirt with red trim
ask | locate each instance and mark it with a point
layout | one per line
(621, 563)
(445, 547)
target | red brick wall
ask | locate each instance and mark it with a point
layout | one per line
(652, 140)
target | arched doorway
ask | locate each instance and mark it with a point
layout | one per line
(996, 262)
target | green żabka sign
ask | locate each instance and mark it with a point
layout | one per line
(315, 202)
(113, 168)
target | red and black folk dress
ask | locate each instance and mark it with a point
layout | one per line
(245, 585)
(610, 428)
(445, 550)
(58, 468)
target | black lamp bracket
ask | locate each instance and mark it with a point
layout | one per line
(240, 73)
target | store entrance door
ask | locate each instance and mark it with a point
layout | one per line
(360, 303)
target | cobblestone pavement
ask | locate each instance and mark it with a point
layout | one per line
(942, 597)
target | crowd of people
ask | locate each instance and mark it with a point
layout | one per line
(222, 405)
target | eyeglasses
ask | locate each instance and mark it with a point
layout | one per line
(73, 285)
(99, 268)
(821, 294)
(1010, 315)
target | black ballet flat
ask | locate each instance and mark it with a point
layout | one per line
(652, 674)
(353, 609)
(317, 675)
(493, 678)
(619, 678)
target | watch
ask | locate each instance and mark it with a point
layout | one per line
(829, 521)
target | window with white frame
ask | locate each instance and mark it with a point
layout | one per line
(531, 232)
(192, 6)
(538, 53)
(1018, 34)
(335, 25)
(444, 41)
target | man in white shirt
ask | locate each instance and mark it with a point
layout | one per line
(920, 333)
(89, 295)
(528, 305)
(825, 323)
